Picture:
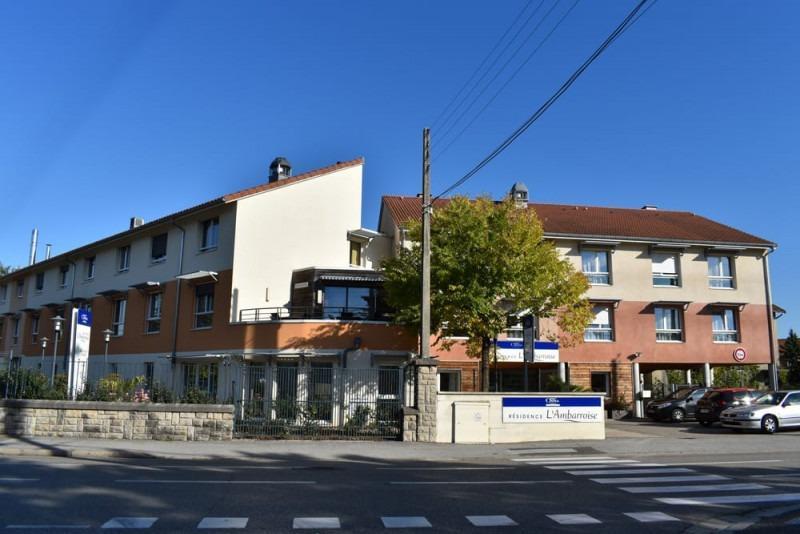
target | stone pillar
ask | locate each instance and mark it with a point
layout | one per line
(425, 398)
(689, 376)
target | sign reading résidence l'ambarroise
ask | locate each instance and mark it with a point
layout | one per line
(544, 409)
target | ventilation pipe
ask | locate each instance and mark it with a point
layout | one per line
(47, 249)
(34, 242)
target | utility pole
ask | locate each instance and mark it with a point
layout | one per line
(425, 304)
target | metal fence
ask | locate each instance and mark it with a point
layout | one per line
(320, 402)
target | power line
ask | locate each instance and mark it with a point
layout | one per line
(548, 103)
(498, 73)
(509, 80)
(494, 61)
(477, 70)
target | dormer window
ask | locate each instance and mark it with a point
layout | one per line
(665, 269)
(355, 253)
(158, 248)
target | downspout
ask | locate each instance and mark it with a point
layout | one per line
(773, 368)
(177, 294)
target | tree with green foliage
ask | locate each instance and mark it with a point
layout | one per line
(5, 269)
(791, 354)
(489, 261)
(737, 376)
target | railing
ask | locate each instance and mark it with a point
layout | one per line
(320, 402)
(339, 313)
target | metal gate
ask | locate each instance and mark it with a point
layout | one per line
(320, 402)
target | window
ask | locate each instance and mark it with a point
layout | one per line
(90, 264)
(20, 288)
(63, 272)
(204, 306)
(723, 326)
(209, 237)
(351, 303)
(123, 258)
(34, 328)
(154, 313)
(720, 274)
(39, 281)
(600, 328)
(595, 266)
(601, 382)
(15, 333)
(449, 380)
(149, 373)
(665, 270)
(118, 319)
(668, 324)
(3, 292)
(158, 248)
(355, 253)
(202, 377)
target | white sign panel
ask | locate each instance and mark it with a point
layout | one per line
(545, 352)
(78, 363)
(588, 409)
(513, 350)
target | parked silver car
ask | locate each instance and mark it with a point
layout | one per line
(769, 412)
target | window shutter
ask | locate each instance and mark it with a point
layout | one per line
(664, 263)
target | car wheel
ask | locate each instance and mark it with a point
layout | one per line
(769, 424)
(677, 415)
(705, 423)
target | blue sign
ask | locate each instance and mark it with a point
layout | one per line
(506, 344)
(85, 317)
(551, 401)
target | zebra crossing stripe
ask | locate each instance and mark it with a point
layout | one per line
(651, 517)
(574, 519)
(223, 522)
(587, 463)
(491, 521)
(130, 522)
(316, 522)
(542, 451)
(405, 522)
(636, 480)
(629, 465)
(589, 472)
(561, 459)
(691, 489)
(731, 499)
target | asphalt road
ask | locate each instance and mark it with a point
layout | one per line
(518, 488)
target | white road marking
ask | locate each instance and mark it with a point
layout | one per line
(405, 522)
(636, 480)
(728, 463)
(603, 466)
(731, 499)
(315, 522)
(795, 521)
(130, 522)
(583, 462)
(18, 479)
(690, 489)
(166, 481)
(476, 483)
(444, 468)
(491, 521)
(539, 451)
(223, 522)
(651, 517)
(48, 527)
(561, 459)
(654, 470)
(574, 519)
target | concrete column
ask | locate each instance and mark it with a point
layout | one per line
(562, 371)
(688, 376)
(638, 407)
(708, 377)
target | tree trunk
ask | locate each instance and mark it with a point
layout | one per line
(485, 364)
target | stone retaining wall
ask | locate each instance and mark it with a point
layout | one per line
(116, 420)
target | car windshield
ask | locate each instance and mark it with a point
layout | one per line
(680, 394)
(770, 399)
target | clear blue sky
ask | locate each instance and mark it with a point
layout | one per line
(111, 109)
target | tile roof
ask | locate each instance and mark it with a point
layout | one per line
(225, 199)
(599, 222)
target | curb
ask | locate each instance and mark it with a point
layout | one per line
(91, 454)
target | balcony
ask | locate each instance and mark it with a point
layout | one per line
(299, 313)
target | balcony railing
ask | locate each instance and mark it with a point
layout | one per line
(337, 313)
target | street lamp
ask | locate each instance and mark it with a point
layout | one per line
(44, 346)
(57, 321)
(106, 338)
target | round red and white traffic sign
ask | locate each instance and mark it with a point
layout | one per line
(739, 354)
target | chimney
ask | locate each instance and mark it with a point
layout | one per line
(34, 242)
(47, 248)
(279, 169)
(649, 207)
(519, 192)
(136, 222)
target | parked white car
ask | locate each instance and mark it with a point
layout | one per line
(769, 412)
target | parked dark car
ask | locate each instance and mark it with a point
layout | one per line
(679, 406)
(718, 399)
